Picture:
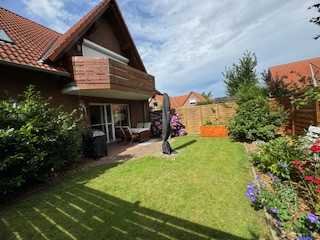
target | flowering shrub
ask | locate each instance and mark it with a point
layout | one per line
(177, 128)
(290, 191)
(307, 225)
(277, 155)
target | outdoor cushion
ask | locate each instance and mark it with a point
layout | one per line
(139, 130)
(140, 125)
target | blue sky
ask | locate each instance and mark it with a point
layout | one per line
(187, 45)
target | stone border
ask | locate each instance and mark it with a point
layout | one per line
(268, 217)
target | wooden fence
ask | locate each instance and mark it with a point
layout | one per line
(299, 119)
(195, 116)
(297, 123)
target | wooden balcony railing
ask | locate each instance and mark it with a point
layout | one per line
(101, 73)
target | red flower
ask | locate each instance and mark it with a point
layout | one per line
(315, 148)
(316, 181)
(318, 190)
(309, 178)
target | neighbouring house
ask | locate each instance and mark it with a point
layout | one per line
(190, 99)
(155, 102)
(94, 66)
(291, 80)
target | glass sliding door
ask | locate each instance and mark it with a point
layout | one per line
(101, 119)
(121, 115)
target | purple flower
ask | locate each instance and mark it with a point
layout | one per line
(252, 192)
(274, 178)
(273, 211)
(278, 224)
(305, 238)
(312, 218)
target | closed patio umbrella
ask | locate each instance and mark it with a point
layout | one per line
(166, 128)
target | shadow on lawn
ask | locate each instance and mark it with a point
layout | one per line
(82, 213)
(184, 145)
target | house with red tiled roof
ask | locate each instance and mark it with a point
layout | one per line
(292, 80)
(295, 76)
(190, 99)
(95, 65)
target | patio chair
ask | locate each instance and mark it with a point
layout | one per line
(120, 134)
(129, 134)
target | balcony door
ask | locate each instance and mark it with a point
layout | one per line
(101, 119)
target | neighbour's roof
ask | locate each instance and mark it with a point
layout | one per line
(296, 75)
(38, 46)
(30, 40)
(178, 101)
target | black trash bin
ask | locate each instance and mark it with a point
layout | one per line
(99, 142)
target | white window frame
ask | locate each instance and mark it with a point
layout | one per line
(91, 49)
(106, 124)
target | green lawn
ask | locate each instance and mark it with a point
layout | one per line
(198, 195)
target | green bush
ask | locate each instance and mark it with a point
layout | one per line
(35, 140)
(254, 119)
(276, 156)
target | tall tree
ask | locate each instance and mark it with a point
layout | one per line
(243, 73)
(316, 20)
(208, 96)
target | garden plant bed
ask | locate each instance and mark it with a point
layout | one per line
(288, 188)
(214, 131)
(280, 233)
(198, 195)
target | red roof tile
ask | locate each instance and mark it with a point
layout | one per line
(178, 101)
(296, 75)
(31, 41)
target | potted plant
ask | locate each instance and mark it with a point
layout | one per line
(216, 129)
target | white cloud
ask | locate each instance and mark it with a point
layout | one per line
(53, 13)
(187, 45)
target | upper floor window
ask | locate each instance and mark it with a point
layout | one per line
(193, 102)
(91, 49)
(4, 37)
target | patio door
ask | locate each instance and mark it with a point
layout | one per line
(101, 119)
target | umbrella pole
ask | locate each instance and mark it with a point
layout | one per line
(166, 128)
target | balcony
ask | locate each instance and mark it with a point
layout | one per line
(104, 77)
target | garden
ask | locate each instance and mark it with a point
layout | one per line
(286, 169)
(205, 191)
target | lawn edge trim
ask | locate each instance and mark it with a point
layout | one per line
(268, 217)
